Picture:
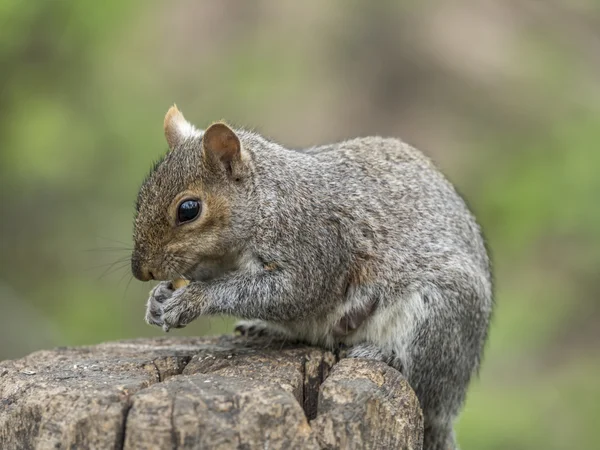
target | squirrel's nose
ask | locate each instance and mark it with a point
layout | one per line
(139, 271)
(143, 275)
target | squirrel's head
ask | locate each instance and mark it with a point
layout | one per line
(183, 210)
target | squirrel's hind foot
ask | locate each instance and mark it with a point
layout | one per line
(260, 328)
(252, 328)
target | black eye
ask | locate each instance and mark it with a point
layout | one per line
(188, 210)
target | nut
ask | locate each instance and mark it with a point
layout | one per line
(179, 283)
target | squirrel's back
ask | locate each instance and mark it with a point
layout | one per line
(403, 189)
(391, 190)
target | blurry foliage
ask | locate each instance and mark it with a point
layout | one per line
(513, 117)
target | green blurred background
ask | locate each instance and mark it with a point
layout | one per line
(504, 95)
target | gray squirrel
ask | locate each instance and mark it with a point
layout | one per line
(362, 243)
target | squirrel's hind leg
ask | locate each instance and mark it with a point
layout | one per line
(439, 436)
(371, 351)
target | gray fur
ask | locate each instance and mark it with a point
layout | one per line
(365, 232)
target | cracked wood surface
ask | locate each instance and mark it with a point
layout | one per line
(204, 393)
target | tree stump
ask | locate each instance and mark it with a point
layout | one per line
(204, 393)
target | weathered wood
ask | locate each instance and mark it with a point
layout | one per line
(204, 393)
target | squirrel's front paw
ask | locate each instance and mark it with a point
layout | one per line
(174, 308)
(183, 306)
(161, 292)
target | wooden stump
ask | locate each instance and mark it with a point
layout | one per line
(204, 393)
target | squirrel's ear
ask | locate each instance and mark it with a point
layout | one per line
(177, 129)
(221, 141)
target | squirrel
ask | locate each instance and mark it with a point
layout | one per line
(362, 244)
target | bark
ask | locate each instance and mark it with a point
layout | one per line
(204, 393)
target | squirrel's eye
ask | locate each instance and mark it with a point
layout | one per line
(188, 210)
